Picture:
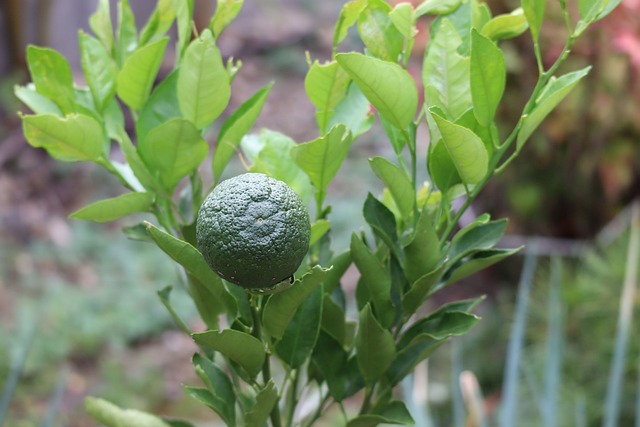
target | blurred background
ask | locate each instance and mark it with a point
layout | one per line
(79, 313)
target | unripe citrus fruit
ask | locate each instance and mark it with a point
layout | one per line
(253, 230)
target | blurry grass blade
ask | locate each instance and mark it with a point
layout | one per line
(624, 328)
(509, 405)
(555, 341)
(56, 399)
(473, 398)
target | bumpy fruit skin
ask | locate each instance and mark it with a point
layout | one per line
(253, 230)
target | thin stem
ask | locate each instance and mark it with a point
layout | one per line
(256, 331)
(366, 403)
(293, 399)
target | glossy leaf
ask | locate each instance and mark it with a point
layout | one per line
(348, 17)
(111, 415)
(281, 307)
(382, 222)
(100, 23)
(436, 7)
(333, 320)
(204, 88)
(100, 70)
(52, 76)
(594, 10)
(189, 258)
(354, 111)
(266, 399)
(378, 33)
(447, 72)
(226, 12)
(138, 73)
(403, 18)
(421, 288)
(341, 373)
(422, 253)
(449, 320)
(441, 167)
(394, 412)
(127, 40)
(159, 22)
(38, 103)
(339, 265)
(326, 86)
(466, 150)
(114, 208)
(302, 331)
(235, 127)
(398, 184)
(161, 107)
(219, 386)
(321, 158)
(173, 150)
(479, 261)
(134, 161)
(488, 77)
(506, 26)
(476, 237)
(204, 396)
(534, 12)
(375, 348)
(318, 230)
(184, 14)
(244, 349)
(386, 85)
(267, 151)
(70, 139)
(555, 91)
(376, 279)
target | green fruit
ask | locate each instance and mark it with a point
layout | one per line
(253, 231)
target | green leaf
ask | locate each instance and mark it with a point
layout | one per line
(445, 322)
(476, 237)
(114, 208)
(139, 72)
(38, 103)
(281, 307)
(244, 349)
(184, 14)
(235, 127)
(220, 387)
(339, 265)
(375, 348)
(302, 331)
(441, 167)
(553, 93)
(340, 372)
(422, 253)
(127, 33)
(506, 26)
(321, 158)
(378, 33)
(204, 88)
(270, 153)
(376, 278)
(134, 161)
(100, 70)
(333, 320)
(421, 288)
(161, 106)
(100, 23)
(326, 86)
(70, 139)
(398, 184)
(52, 76)
(204, 396)
(404, 18)
(348, 17)
(159, 22)
(173, 150)
(386, 85)
(437, 7)
(394, 412)
(534, 12)
(192, 261)
(488, 77)
(226, 12)
(354, 111)
(382, 222)
(111, 415)
(447, 72)
(477, 262)
(266, 399)
(318, 230)
(594, 10)
(466, 150)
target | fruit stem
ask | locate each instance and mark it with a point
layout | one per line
(256, 331)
